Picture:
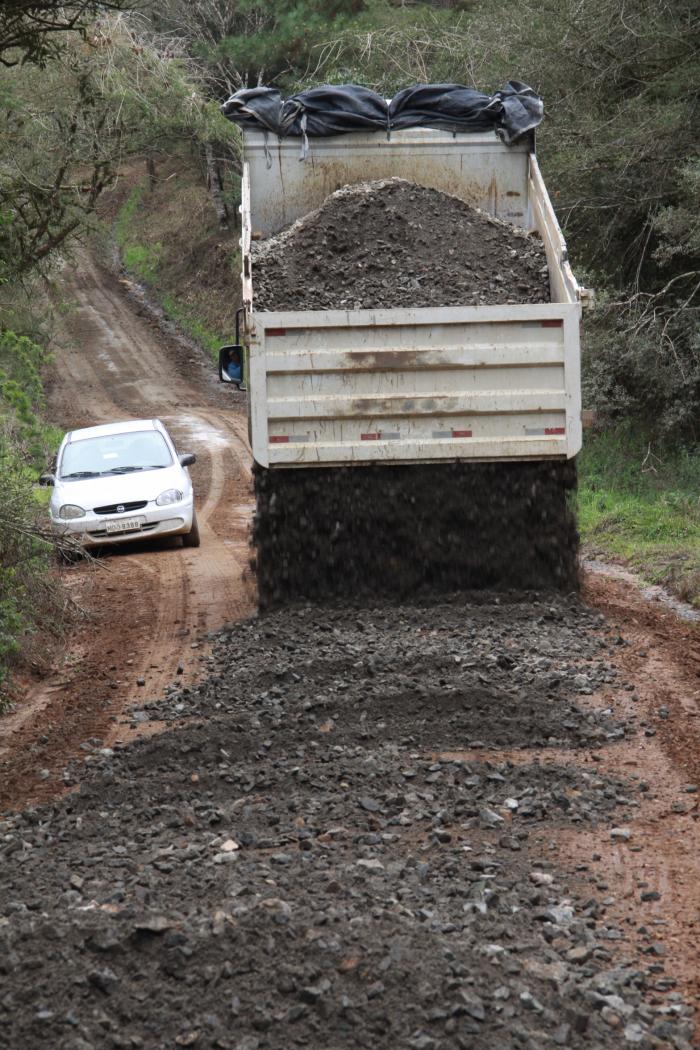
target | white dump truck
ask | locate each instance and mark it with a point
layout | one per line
(330, 389)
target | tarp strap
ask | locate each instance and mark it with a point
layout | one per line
(304, 151)
(268, 155)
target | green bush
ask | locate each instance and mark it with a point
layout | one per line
(29, 596)
(142, 260)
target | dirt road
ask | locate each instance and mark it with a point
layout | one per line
(148, 606)
(460, 824)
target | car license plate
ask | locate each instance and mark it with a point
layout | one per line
(124, 524)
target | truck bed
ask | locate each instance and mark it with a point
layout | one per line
(478, 383)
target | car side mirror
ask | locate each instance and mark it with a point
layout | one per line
(47, 479)
(187, 459)
(233, 354)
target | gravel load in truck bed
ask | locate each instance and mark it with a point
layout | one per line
(391, 243)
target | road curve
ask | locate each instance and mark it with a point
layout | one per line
(149, 608)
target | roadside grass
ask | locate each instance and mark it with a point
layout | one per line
(170, 241)
(32, 603)
(643, 508)
(195, 327)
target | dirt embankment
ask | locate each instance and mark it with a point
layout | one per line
(170, 240)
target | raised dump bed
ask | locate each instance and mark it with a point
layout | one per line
(453, 390)
(410, 385)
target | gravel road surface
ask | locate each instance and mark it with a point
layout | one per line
(297, 863)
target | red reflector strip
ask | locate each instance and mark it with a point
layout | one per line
(275, 331)
(553, 322)
(555, 430)
(373, 436)
(279, 439)
(461, 433)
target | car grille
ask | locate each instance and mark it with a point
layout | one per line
(121, 508)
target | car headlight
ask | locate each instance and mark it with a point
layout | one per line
(168, 497)
(70, 510)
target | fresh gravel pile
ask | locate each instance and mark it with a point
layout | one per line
(458, 674)
(295, 870)
(391, 243)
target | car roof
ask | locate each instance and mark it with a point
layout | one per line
(127, 426)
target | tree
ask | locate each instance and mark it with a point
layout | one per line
(65, 129)
(31, 30)
(241, 43)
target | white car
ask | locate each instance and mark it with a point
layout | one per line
(122, 481)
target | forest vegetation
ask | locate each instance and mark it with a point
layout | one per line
(89, 87)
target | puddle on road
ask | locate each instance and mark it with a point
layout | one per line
(108, 362)
(195, 429)
(652, 592)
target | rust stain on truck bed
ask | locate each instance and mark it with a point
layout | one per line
(397, 406)
(374, 359)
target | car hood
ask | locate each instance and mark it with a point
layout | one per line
(119, 488)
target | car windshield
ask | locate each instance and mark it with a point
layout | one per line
(115, 454)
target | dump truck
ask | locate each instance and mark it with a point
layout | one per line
(401, 451)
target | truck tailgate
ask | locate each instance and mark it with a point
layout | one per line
(413, 386)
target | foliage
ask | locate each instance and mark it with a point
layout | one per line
(29, 598)
(389, 47)
(242, 43)
(639, 503)
(22, 397)
(32, 31)
(642, 361)
(64, 131)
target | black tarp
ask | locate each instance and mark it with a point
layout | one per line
(337, 109)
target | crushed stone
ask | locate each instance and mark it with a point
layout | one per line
(391, 243)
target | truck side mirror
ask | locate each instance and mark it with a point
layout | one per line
(187, 459)
(47, 479)
(231, 360)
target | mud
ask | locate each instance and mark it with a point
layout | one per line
(279, 880)
(394, 244)
(147, 601)
(395, 531)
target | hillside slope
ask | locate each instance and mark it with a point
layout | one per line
(169, 238)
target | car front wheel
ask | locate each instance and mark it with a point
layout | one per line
(191, 538)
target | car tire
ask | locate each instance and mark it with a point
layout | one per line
(191, 538)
